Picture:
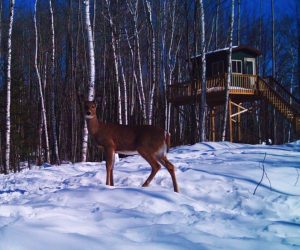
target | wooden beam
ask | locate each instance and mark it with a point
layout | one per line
(239, 123)
(212, 124)
(230, 121)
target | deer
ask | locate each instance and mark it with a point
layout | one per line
(150, 142)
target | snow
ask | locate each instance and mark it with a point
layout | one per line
(215, 51)
(70, 207)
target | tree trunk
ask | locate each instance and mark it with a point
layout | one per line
(217, 24)
(1, 61)
(298, 31)
(133, 9)
(40, 86)
(239, 23)
(274, 71)
(125, 104)
(91, 82)
(114, 44)
(229, 74)
(153, 61)
(163, 58)
(135, 80)
(8, 104)
(53, 120)
(203, 75)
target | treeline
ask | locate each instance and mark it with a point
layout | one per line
(140, 47)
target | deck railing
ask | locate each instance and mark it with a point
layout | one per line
(239, 83)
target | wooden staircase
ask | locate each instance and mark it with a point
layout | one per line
(275, 94)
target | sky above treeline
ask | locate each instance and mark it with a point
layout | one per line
(281, 6)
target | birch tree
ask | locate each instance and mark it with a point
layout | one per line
(163, 53)
(274, 70)
(53, 116)
(1, 64)
(44, 115)
(153, 60)
(298, 31)
(229, 73)
(8, 104)
(172, 50)
(239, 23)
(217, 24)
(203, 75)
(91, 82)
(133, 9)
(114, 44)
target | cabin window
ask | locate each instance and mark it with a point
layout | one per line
(217, 68)
(237, 66)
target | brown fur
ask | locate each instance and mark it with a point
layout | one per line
(150, 142)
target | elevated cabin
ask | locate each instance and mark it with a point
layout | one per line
(246, 87)
(243, 61)
(244, 74)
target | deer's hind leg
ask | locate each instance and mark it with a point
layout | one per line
(170, 167)
(155, 166)
(110, 159)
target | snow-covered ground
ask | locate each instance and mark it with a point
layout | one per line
(70, 207)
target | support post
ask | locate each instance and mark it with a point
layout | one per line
(230, 121)
(239, 123)
(212, 124)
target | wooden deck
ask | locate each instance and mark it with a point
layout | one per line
(242, 87)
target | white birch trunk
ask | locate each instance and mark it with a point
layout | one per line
(172, 55)
(274, 71)
(40, 86)
(134, 75)
(239, 23)
(140, 78)
(91, 83)
(217, 24)
(8, 127)
(229, 73)
(298, 49)
(140, 87)
(170, 67)
(203, 76)
(114, 44)
(163, 62)
(153, 63)
(125, 104)
(53, 120)
(1, 64)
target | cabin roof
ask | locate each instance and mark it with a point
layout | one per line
(245, 48)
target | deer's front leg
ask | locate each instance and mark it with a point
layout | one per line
(110, 158)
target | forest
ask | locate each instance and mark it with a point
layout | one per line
(56, 53)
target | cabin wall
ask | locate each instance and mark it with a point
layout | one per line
(241, 55)
(217, 57)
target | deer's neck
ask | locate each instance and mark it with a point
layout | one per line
(93, 125)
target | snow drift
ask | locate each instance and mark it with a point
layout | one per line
(70, 207)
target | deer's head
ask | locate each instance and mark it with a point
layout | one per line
(90, 109)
